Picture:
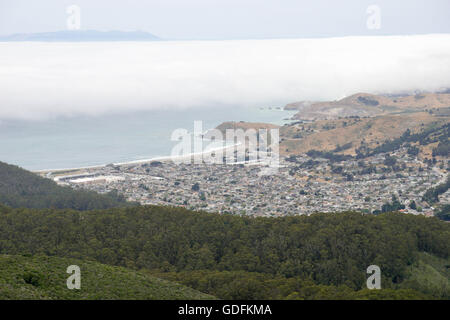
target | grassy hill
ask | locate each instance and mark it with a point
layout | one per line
(21, 188)
(429, 274)
(364, 104)
(43, 277)
(328, 135)
(223, 127)
(360, 120)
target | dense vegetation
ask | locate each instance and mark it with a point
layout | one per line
(444, 212)
(21, 188)
(42, 277)
(432, 194)
(323, 251)
(395, 205)
(254, 285)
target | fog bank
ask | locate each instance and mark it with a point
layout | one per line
(40, 80)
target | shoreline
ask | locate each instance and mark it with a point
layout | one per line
(278, 116)
(133, 162)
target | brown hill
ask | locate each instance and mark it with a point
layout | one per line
(245, 125)
(368, 105)
(348, 134)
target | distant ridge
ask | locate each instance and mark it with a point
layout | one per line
(77, 35)
(365, 104)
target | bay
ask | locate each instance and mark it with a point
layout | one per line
(83, 141)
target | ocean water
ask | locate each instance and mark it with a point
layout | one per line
(39, 80)
(83, 141)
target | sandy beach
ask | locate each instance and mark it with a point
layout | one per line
(134, 162)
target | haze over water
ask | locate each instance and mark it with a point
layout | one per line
(65, 105)
(88, 141)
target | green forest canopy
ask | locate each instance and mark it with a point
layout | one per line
(323, 249)
(21, 188)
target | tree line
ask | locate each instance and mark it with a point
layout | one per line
(328, 249)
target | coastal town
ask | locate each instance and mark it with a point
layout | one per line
(300, 185)
(388, 159)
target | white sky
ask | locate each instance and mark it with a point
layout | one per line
(39, 80)
(230, 19)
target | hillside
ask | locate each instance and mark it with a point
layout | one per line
(324, 251)
(223, 127)
(368, 105)
(231, 285)
(21, 188)
(430, 275)
(327, 135)
(43, 277)
(360, 121)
